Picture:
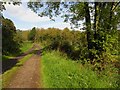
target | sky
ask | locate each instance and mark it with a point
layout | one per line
(24, 18)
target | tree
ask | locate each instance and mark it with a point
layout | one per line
(9, 44)
(101, 18)
(18, 36)
(32, 34)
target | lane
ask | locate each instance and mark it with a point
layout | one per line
(28, 76)
(8, 64)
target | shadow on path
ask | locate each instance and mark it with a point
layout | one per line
(29, 75)
(9, 63)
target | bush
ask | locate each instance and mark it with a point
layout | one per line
(61, 72)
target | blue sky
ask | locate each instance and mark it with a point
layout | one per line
(25, 19)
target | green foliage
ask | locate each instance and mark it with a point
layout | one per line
(99, 44)
(10, 45)
(31, 35)
(25, 35)
(19, 37)
(112, 45)
(100, 38)
(61, 72)
(26, 45)
(73, 43)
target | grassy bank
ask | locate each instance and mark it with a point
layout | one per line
(8, 74)
(60, 72)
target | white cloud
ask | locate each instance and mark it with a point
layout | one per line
(24, 14)
(60, 25)
(24, 18)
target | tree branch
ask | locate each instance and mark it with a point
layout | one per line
(116, 6)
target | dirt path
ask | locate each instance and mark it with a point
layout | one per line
(8, 64)
(28, 76)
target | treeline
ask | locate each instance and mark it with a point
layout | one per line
(100, 25)
(74, 44)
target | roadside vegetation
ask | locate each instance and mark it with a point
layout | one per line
(97, 46)
(73, 58)
(60, 72)
(65, 63)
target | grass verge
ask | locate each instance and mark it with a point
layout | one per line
(60, 72)
(10, 73)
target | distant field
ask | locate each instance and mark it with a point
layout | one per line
(59, 72)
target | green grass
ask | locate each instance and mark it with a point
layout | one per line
(10, 73)
(26, 46)
(59, 72)
(4, 57)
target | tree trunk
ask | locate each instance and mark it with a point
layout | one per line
(88, 25)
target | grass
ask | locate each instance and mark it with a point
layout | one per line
(8, 74)
(60, 72)
(4, 57)
(26, 46)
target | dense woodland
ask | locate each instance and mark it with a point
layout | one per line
(97, 45)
